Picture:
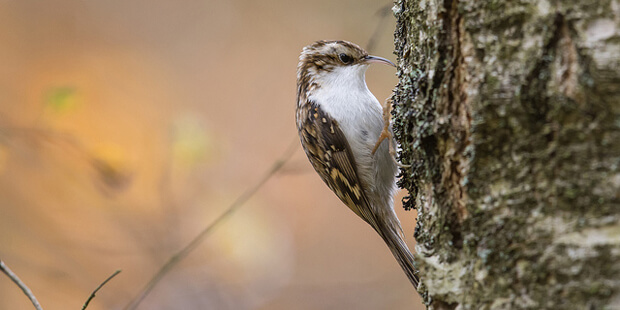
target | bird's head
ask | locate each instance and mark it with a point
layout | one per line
(334, 62)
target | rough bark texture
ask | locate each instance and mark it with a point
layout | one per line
(509, 114)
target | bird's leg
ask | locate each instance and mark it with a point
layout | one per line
(386, 133)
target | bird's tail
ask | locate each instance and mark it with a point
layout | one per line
(394, 240)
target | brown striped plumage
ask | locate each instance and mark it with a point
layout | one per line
(339, 122)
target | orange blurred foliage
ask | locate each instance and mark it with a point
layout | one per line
(126, 127)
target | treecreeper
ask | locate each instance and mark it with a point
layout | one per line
(342, 131)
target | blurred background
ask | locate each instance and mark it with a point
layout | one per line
(126, 127)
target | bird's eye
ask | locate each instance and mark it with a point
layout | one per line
(346, 59)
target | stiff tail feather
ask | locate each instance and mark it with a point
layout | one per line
(401, 252)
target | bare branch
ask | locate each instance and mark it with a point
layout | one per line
(383, 14)
(176, 258)
(92, 295)
(6, 270)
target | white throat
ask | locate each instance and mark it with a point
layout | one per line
(345, 78)
(343, 93)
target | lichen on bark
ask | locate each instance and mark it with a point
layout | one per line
(509, 114)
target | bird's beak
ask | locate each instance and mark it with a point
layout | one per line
(377, 59)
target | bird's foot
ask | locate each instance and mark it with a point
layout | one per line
(386, 133)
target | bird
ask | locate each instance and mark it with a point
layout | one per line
(342, 130)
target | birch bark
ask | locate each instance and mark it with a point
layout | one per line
(509, 114)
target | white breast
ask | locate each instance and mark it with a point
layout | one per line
(343, 94)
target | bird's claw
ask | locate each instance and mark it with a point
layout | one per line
(386, 133)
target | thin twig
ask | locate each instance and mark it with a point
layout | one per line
(383, 13)
(92, 295)
(176, 258)
(6, 270)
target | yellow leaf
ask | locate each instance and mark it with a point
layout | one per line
(61, 99)
(191, 142)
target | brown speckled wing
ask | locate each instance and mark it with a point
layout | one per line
(329, 152)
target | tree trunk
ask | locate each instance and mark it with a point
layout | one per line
(509, 114)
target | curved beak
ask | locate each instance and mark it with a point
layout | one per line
(377, 59)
